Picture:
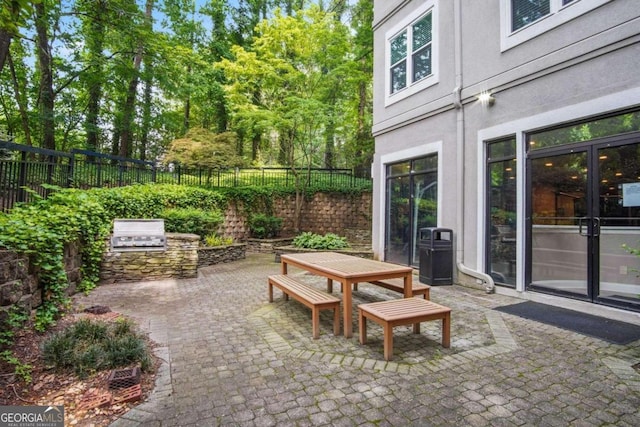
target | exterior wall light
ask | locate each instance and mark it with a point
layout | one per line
(486, 99)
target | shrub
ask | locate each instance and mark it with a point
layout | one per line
(190, 220)
(264, 226)
(90, 346)
(310, 240)
(215, 240)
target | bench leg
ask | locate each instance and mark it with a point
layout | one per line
(336, 320)
(416, 328)
(270, 292)
(330, 286)
(315, 321)
(426, 294)
(388, 341)
(446, 330)
(362, 322)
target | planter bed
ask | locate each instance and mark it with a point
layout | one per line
(363, 252)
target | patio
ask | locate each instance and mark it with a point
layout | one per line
(232, 358)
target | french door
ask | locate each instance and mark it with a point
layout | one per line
(584, 221)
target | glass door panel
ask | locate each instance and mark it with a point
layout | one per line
(425, 207)
(398, 230)
(619, 224)
(560, 224)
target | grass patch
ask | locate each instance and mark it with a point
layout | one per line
(87, 347)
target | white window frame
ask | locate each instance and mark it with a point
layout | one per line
(558, 15)
(405, 25)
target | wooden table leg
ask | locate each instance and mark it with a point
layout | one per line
(347, 323)
(283, 267)
(408, 285)
(362, 325)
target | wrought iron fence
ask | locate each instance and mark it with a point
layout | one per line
(25, 171)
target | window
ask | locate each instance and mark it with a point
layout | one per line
(411, 54)
(523, 20)
(412, 204)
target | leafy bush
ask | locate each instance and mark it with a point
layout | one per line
(310, 240)
(90, 346)
(214, 240)
(264, 226)
(148, 201)
(191, 220)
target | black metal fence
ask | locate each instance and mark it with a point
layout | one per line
(27, 170)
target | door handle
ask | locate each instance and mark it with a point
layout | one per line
(590, 230)
(581, 222)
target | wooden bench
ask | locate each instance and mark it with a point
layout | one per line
(311, 297)
(403, 311)
(397, 285)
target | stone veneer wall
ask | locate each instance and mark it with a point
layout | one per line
(179, 260)
(19, 283)
(344, 214)
(219, 254)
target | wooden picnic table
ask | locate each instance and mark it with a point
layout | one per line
(347, 270)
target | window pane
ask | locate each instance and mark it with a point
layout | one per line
(502, 149)
(565, 2)
(421, 32)
(422, 64)
(426, 164)
(524, 12)
(608, 126)
(399, 77)
(398, 169)
(399, 48)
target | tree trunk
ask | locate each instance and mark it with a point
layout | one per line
(146, 110)
(46, 78)
(130, 103)
(5, 42)
(24, 116)
(95, 44)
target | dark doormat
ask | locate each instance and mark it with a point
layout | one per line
(613, 331)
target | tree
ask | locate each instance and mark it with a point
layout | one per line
(12, 15)
(202, 148)
(287, 85)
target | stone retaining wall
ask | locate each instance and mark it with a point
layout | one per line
(179, 260)
(346, 215)
(267, 246)
(219, 254)
(19, 284)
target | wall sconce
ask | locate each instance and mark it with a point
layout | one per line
(486, 99)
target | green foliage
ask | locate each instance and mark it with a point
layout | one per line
(263, 226)
(15, 318)
(148, 201)
(213, 240)
(203, 148)
(191, 220)
(43, 228)
(22, 370)
(310, 240)
(88, 346)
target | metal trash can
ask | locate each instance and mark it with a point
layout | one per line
(436, 256)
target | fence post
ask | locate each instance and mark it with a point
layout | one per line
(72, 164)
(22, 177)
